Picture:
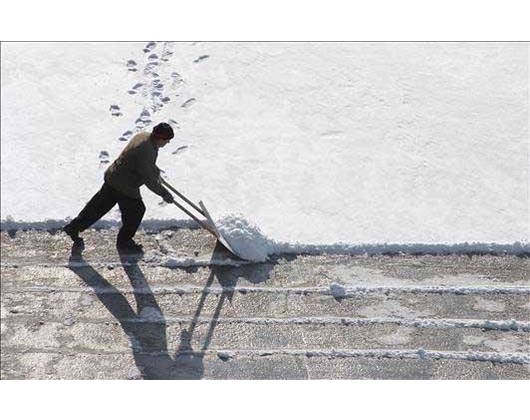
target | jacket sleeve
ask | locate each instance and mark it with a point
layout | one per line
(150, 173)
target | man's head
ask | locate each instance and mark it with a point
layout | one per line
(162, 134)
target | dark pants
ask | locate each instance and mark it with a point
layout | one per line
(132, 212)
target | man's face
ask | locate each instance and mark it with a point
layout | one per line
(161, 142)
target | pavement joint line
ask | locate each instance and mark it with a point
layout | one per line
(440, 323)
(173, 265)
(347, 291)
(419, 353)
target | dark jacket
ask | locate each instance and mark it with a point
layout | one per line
(135, 167)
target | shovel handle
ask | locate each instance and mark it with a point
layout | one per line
(200, 222)
(183, 197)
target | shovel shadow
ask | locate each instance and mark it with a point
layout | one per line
(227, 277)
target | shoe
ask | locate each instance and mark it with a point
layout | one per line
(72, 233)
(129, 246)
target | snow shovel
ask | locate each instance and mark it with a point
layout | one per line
(207, 224)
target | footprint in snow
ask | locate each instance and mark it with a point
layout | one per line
(144, 119)
(150, 67)
(157, 84)
(104, 157)
(166, 55)
(150, 46)
(115, 111)
(142, 124)
(181, 149)
(188, 103)
(126, 136)
(331, 133)
(131, 65)
(135, 89)
(167, 51)
(173, 123)
(176, 79)
(201, 58)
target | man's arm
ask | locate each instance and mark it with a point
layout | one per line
(151, 175)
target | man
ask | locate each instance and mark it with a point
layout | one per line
(133, 168)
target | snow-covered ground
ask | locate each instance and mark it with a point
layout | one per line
(314, 143)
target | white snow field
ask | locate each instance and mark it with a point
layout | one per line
(320, 145)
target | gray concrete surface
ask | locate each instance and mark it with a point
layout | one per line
(96, 315)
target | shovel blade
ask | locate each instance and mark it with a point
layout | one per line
(216, 232)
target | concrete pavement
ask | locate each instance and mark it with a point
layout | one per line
(98, 316)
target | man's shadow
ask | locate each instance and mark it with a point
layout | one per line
(146, 327)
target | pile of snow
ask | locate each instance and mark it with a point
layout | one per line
(170, 261)
(246, 238)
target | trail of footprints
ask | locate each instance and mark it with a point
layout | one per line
(152, 88)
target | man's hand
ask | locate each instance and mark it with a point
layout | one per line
(168, 198)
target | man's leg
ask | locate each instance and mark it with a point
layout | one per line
(98, 206)
(132, 212)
